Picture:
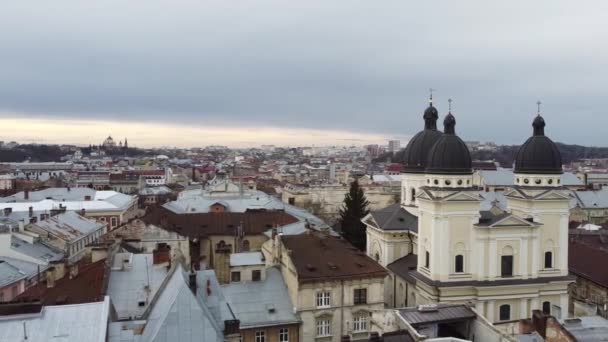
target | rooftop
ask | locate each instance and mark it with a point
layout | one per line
(269, 306)
(66, 323)
(587, 329)
(134, 280)
(86, 287)
(436, 313)
(74, 199)
(321, 257)
(12, 270)
(69, 226)
(393, 217)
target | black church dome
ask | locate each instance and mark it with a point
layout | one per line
(538, 154)
(417, 149)
(449, 155)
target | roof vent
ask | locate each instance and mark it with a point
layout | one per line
(271, 308)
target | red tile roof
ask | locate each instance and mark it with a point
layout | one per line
(200, 225)
(584, 255)
(320, 257)
(88, 286)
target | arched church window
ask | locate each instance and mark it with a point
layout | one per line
(459, 263)
(505, 312)
(548, 260)
(413, 192)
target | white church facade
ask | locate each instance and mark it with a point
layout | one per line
(440, 246)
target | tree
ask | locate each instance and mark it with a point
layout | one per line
(355, 207)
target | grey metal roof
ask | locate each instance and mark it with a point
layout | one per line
(592, 199)
(587, 328)
(69, 226)
(443, 313)
(177, 315)
(394, 217)
(133, 282)
(12, 270)
(36, 250)
(158, 190)
(261, 303)
(402, 267)
(65, 323)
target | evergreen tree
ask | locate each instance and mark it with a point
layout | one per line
(355, 207)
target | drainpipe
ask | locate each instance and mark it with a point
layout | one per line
(342, 308)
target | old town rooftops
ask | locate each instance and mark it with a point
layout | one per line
(321, 257)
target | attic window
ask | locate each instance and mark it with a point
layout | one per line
(401, 219)
(141, 304)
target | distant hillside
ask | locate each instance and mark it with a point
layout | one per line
(505, 154)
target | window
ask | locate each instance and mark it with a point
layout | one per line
(360, 296)
(427, 259)
(256, 275)
(284, 335)
(505, 312)
(548, 260)
(459, 263)
(506, 266)
(235, 276)
(547, 308)
(114, 221)
(291, 200)
(360, 323)
(413, 195)
(260, 336)
(245, 246)
(323, 327)
(323, 299)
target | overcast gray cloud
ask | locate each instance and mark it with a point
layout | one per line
(351, 65)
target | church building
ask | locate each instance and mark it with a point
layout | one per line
(441, 245)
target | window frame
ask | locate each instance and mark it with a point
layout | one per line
(548, 308)
(360, 323)
(232, 274)
(459, 258)
(260, 336)
(501, 313)
(360, 296)
(323, 327)
(323, 299)
(284, 335)
(256, 275)
(503, 271)
(548, 254)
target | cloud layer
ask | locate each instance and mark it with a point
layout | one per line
(355, 66)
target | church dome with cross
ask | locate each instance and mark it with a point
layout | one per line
(415, 153)
(538, 158)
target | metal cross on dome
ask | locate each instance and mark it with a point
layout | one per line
(449, 105)
(538, 103)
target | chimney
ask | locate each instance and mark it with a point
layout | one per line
(345, 338)
(8, 211)
(26, 194)
(539, 321)
(192, 282)
(68, 188)
(50, 277)
(21, 226)
(31, 211)
(374, 336)
(83, 212)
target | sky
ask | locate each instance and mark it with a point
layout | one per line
(239, 73)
